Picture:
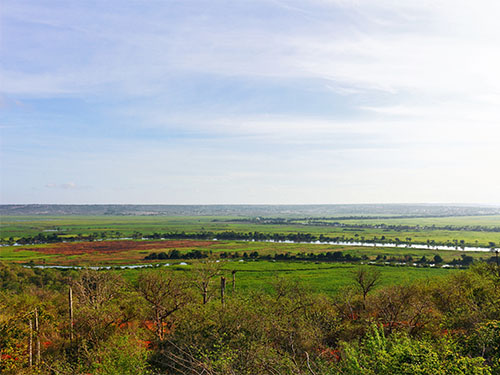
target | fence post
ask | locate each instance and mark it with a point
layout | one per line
(234, 280)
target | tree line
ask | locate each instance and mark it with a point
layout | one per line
(42, 238)
(197, 322)
(328, 256)
(334, 222)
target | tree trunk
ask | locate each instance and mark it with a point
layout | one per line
(222, 288)
(205, 293)
(159, 327)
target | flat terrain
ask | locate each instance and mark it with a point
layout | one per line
(104, 251)
(328, 278)
(108, 249)
(125, 226)
(124, 252)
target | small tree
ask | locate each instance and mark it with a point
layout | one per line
(96, 288)
(165, 295)
(203, 274)
(366, 279)
(438, 259)
(100, 304)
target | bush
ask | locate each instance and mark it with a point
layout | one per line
(122, 354)
(402, 355)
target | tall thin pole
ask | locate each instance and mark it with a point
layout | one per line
(70, 301)
(234, 280)
(30, 349)
(37, 330)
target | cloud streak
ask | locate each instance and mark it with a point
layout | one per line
(65, 186)
(373, 93)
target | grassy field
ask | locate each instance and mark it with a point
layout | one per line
(124, 226)
(318, 277)
(55, 254)
(485, 221)
(19, 226)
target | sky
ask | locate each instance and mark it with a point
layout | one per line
(251, 102)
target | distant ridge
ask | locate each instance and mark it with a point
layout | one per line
(421, 210)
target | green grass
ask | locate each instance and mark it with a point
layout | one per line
(19, 226)
(327, 278)
(14, 254)
(321, 277)
(486, 221)
(20, 254)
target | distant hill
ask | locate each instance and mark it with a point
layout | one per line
(251, 210)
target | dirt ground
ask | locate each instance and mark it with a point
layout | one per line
(106, 247)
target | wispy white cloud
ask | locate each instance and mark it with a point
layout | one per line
(419, 79)
(425, 57)
(66, 186)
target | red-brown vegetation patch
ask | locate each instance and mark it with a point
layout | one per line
(105, 247)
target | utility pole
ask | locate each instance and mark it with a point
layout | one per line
(30, 346)
(37, 330)
(70, 301)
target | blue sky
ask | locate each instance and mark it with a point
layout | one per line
(270, 101)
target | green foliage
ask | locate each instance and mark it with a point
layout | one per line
(472, 230)
(402, 355)
(121, 355)
(260, 334)
(468, 298)
(485, 342)
(446, 326)
(17, 279)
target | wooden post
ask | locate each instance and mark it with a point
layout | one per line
(30, 347)
(70, 301)
(37, 330)
(234, 280)
(222, 288)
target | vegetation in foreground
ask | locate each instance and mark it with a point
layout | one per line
(168, 322)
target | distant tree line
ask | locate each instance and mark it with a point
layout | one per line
(176, 254)
(329, 256)
(334, 222)
(41, 238)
